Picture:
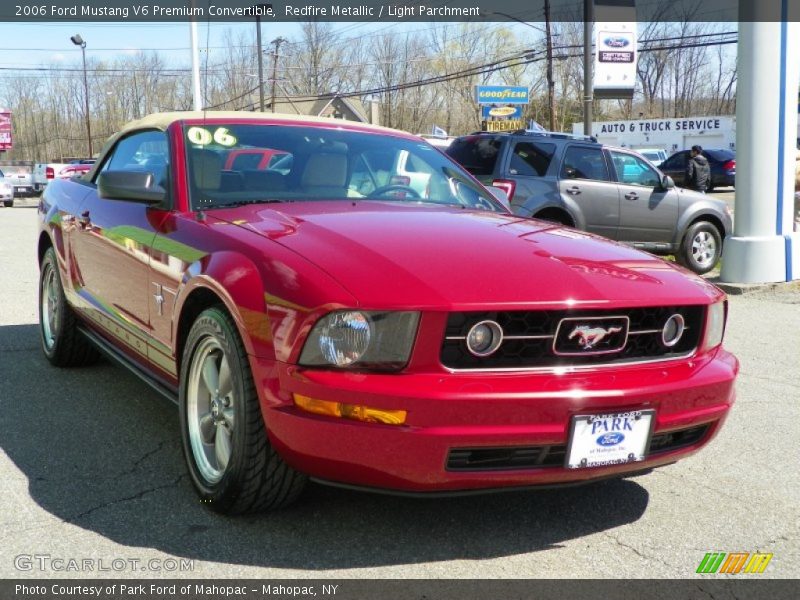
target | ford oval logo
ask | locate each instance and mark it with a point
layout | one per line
(616, 42)
(610, 439)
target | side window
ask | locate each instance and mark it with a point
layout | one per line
(582, 162)
(531, 158)
(144, 151)
(632, 170)
(676, 161)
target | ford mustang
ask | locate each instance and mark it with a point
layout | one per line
(325, 317)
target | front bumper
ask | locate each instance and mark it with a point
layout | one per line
(448, 411)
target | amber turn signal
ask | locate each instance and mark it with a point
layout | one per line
(355, 412)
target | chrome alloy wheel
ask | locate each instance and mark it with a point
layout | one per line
(704, 249)
(50, 306)
(210, 411)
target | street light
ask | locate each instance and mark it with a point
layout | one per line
(551, 105)
(78, 41)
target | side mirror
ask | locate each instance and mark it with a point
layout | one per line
(500, 195)
(666, 182)
(133, 186)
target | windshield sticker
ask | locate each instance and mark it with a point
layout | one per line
(203, 137)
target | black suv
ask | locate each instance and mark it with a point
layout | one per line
(614, 192)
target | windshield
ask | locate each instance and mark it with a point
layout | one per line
(230, 165)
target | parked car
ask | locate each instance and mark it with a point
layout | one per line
(613, 192)
(20, 180)
(655, 155)
(44, 173)
(311, 327)
(6, 191)
(721, 162)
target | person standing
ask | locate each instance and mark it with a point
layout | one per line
(698, 172)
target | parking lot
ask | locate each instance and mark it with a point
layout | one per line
(91, 466)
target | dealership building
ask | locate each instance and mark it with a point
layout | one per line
(670, 134)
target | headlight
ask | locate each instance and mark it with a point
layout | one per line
(361, 340)
(715, 325)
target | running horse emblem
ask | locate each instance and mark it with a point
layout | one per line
(589, 337)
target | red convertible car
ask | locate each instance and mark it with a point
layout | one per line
(323, 319)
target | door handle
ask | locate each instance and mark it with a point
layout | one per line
(631, 196)
(574, 190)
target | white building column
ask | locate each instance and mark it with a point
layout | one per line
(763, 247)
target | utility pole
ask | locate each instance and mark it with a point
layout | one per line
(588, 65)
(550, 83)
(277, 42)
(260, 61)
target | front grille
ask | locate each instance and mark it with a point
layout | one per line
(535, 457)
(497, 459)
(528, 337)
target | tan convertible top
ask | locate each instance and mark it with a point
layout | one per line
(165, 119)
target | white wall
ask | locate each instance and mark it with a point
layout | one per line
(669, 134)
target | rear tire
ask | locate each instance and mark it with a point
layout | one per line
(701, 247)
(63, 344)
(232, 464)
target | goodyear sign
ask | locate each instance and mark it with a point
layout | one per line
(501, 94)
(501, 112)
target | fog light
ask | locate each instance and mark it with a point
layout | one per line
(355, 412)
(484, 338)
(673, 330)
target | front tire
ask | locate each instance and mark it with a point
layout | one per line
(8, 203)
(231, 462)
(63, 344)
(701, 247)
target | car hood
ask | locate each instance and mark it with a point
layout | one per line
(394, 254)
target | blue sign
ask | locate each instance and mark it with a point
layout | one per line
(500, 94)
(501, 112)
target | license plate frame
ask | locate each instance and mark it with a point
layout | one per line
(585, 450)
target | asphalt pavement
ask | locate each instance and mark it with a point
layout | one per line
(91, 469)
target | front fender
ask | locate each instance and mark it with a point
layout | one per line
(274, 298)
(236, 280)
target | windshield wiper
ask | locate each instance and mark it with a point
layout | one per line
(244, 202)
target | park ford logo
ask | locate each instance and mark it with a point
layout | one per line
(616, 42)
(610, 439)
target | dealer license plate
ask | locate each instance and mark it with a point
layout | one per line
(609, 439)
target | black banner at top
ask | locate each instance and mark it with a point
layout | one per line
(384, 10)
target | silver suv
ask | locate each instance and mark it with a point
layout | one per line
(614, 192)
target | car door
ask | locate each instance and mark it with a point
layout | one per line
(584, 180)
(648, 211)
(675, 167)
(112, 248)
